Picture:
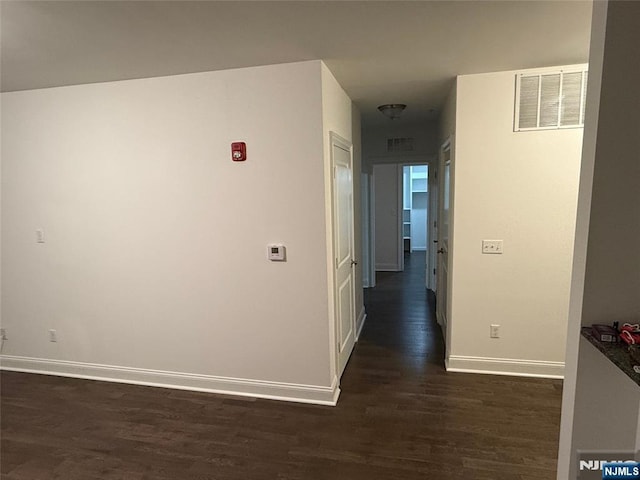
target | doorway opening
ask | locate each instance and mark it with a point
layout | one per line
(403, 204)
(401, 306)
(404, 199)
(415, 203)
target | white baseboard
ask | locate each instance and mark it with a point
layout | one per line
(182, 381)
(387, 267)
(362, 317)
(504, 366)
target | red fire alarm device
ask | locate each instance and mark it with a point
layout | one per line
(238, 151)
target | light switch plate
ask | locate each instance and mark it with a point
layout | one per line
(492, 246)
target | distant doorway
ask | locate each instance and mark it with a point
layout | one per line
(401, 306)
(415, 207)
(403, 203)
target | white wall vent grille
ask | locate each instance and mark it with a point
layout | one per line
(404, 144)
(550, 100)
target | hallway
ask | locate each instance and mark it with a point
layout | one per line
(401, 316)
(489, 426)
(400, 417)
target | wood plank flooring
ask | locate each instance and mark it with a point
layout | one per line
(400, 416)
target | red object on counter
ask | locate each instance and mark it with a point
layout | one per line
(630, 334)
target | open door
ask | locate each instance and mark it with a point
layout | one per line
(344, 274)
(444, 190)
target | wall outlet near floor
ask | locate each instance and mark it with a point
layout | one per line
(3, 334)
(494, 331)
(492, 246)
(53, 336)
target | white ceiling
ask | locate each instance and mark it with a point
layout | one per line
(380, 51)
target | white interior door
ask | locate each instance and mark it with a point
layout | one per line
(442, 291)
(387, 191)
(343, 249)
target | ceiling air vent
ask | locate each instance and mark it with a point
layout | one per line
(404, 144)
(550, 100)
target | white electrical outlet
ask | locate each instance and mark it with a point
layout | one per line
(3, 333)
(39, 235)
(494, 331)
(53, 336)
(492, 246)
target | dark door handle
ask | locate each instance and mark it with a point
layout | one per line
(441, 250)
(435, 241)
(353, 262)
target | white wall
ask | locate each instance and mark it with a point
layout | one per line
(358, 217)
(596, 51)
(607, 407)
(374, 142)
(155, 257)
(612, 275)
(341, 117)
(606, 278)
(520, 187)
(602, 431)
(447, 121)
(446, 133)
(387, 184)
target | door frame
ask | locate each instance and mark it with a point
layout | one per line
(432, 227)
(340, 142)
(429, 233)
(368, 230)
(400, 213)
(446, 325)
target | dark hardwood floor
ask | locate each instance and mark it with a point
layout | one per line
(400, 416)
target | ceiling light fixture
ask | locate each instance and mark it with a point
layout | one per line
(392, 110)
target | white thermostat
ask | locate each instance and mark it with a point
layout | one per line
(276, 253)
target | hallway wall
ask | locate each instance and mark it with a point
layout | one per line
(374, 142)
(154, 267)
(340, 116)
(519, 187)
(359, 251)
